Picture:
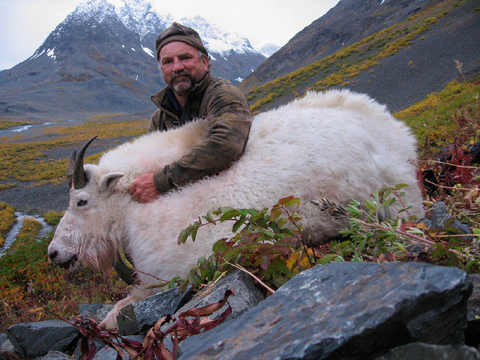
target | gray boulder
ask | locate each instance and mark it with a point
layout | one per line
(247, 295)
(441, 219)
(420, 351)
(474, 300)
(139, 317)
(108, 353)
(37, 339)
(345, 311)
(56, 355)
(96, 312)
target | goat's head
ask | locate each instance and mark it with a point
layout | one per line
(87, 234)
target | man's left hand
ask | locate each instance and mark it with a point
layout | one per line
(143, 189)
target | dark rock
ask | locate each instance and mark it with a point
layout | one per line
(474, 300)
(139, 317)
(7, 352)
(96, 312)
(345, 311)
(37, 339)
(420, 351)
(441, 219)
(472, 333)
(108, 353)
(247, 295)
(56, 355)
(5, 344)
(99, 344)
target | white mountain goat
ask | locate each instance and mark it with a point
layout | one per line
(336, 145)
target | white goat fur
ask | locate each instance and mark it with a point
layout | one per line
(337, 145)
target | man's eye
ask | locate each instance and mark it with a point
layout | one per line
(82, 203)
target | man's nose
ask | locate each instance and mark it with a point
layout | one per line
(177, 65)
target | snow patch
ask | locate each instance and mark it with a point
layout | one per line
(37, 55)
(51, 53)
(148, 51)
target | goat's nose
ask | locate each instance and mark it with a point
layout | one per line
(53, 254)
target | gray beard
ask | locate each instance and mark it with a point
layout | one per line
(183, 86)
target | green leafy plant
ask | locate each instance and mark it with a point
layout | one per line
(269, 244)
(265, 244)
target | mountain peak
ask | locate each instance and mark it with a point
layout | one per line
(216, 39)
(143, 17)
(99, 9)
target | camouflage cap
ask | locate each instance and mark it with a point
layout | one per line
(179, 32)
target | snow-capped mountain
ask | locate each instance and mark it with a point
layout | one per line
(217, 40)
(143, 17)
(102, 58)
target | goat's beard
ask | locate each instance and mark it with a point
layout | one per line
(100, 253)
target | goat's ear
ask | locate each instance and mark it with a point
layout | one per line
(108, 181)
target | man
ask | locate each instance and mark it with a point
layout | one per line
(192, 93)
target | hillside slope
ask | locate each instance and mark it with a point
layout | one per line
(398, 65)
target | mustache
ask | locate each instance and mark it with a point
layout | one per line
(178, 74)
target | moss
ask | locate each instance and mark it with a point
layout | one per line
(7, 220)
(28, 162)
(5, 124)
(53, 218)
(441, 117)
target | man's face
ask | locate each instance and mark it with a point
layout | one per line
(182, 66)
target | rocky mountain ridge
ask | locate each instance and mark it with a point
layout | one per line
(348, 22)
(398, 52)
(102, 59)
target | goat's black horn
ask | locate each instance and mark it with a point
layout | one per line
(79, 178)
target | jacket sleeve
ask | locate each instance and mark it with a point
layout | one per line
(229, 120)
(156, 123)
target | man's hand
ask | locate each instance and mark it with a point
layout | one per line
(143, 189)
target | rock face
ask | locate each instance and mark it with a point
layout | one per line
(345, 310)
(426, 65)
(348, 22)
(139, 317)
(37, 339)
(336, 311)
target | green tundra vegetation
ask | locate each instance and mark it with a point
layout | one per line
(338, 69)
(5, 124)
(23, 161)
(7, 220)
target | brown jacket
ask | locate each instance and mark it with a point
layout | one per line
(229, 117)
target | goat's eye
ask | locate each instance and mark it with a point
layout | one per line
(82, 203)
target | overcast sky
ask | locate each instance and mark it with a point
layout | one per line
(25, 24)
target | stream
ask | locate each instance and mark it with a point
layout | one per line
(31, 130)
(14, 231)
